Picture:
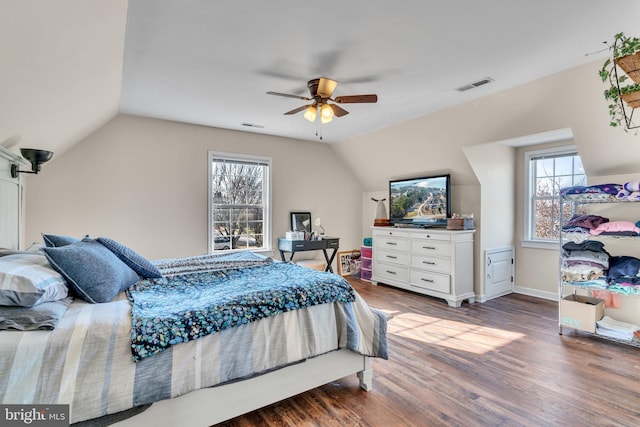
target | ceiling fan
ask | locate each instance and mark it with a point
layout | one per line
(321, 91)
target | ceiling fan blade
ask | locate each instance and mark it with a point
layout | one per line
(354, 99)
(297, 110)
(338, 111)
(326, 87)
(288, 95)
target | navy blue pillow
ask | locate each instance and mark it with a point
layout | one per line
(92, 271)
(53, 241)
(137, 262)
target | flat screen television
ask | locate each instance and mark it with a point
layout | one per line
(420, 202)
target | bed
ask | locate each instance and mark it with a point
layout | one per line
(117, 355)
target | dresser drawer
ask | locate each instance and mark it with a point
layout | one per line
(431, 281)
(441, 265)
(400, 258)
(430, 247)
(391, 242)
(431, 236)
(394, 273)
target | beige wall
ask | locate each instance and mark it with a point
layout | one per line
(437, 143)
(144, 182)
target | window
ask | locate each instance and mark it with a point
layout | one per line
(239, 202)
(548, 172)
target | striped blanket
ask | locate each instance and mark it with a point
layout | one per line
(86, 361)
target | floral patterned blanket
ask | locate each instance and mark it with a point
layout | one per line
(184, 307)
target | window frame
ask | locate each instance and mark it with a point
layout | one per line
(529, 239)
(266, 198)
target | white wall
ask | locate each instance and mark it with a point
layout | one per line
(144, 182)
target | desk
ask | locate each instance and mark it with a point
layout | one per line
(294, 246)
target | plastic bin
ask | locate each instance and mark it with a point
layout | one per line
(365, 274)
(365, 251)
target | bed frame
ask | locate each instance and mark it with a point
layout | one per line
(213, 405)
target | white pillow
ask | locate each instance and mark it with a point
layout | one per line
(27, 279)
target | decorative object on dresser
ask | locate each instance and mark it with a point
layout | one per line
(437, 263)
(381, 219)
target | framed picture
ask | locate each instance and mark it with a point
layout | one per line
(301, 221)
(348, 262)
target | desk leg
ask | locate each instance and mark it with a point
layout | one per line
(283, 258)
(329, 260)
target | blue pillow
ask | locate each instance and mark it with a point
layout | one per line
(137, 262)
(92, 271)
(53, 241)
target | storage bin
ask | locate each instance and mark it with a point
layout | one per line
(581, 312)
(365, 274)
(365, 263)
(365, 251)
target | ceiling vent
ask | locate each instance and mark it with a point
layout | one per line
(475, 84)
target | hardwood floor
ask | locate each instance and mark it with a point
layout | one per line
(499, 363)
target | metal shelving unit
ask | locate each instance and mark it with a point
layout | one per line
(575, 286)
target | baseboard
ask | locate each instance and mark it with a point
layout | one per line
(552, 296)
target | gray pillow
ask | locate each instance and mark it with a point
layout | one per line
(53, 241)
(44, 316)
(137, 262)
(27, 279)
(92, 271)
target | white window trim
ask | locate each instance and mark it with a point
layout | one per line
(266, 197)
(528, 241)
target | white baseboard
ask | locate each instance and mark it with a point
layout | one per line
(552, 296)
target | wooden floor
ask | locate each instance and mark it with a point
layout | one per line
(499, 363)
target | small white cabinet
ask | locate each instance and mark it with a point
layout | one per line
(436, 262)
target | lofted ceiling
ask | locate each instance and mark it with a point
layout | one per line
(71, 65)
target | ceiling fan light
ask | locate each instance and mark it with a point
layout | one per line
(326, 113)
(311, 113)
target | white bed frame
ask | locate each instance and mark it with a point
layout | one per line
(213, 405)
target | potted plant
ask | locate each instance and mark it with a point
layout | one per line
(625, 55)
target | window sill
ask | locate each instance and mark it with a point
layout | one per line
(539, 244)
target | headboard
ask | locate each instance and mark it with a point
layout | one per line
(10, 201)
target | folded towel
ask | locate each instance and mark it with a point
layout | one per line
(615, 329)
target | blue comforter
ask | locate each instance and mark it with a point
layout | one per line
(181, 308)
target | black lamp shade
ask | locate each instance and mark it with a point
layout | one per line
(36, 157)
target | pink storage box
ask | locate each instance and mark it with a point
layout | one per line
(365, 263)
(365, 274)
(365, 251)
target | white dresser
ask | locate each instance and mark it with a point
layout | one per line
(434, 262)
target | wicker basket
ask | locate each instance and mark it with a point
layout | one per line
(630, 64)
(632, 99)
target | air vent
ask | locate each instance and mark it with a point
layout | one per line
(475, 84)
(252, 125)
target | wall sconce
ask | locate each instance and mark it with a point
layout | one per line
(36, 157)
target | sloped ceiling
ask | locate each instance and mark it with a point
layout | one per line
(60, 70)
(68, 66)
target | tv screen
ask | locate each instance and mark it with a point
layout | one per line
(424, 201)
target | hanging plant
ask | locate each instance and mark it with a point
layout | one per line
(626, 55)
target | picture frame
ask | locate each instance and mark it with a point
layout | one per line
(348, 262)
(301, 221)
